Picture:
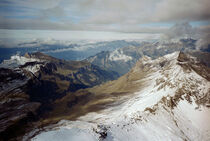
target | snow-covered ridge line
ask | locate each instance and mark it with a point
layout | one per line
(16, 61)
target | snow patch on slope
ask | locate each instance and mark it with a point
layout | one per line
(63, 134)
(33, 69)
(196, 118)
(118, 55)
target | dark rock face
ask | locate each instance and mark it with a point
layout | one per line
(183, 57)
(7, 75)
(15, 106)
(191, 63)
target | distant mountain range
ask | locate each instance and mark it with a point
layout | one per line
(123, 59)
(118, 56)
(64, 50)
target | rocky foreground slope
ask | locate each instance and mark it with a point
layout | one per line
(163, 99)
(30, 84)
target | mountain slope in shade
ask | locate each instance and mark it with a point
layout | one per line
(120, 60)
(30, 84)
(169, 100)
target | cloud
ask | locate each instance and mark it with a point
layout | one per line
(143, 11)
(179, 10)
(57, 12)
(186, 30)
(181, 30)
(203, 43)
(103, 15)
(37, 4)
(11, 38)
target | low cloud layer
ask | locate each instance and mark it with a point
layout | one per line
(182, 30)
(203, 43)
(101, 15)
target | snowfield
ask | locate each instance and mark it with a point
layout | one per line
(154, 113)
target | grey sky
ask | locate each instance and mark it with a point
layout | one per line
(151, 16)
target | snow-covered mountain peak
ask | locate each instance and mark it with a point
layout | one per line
(173, 60)
(172, 56)
(118, 55)
(30, 64)
(147, 64)
(16, 60)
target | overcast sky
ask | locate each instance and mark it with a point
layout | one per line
(144, 16)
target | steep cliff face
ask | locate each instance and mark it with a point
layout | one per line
(163, 99)
(15, 105)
